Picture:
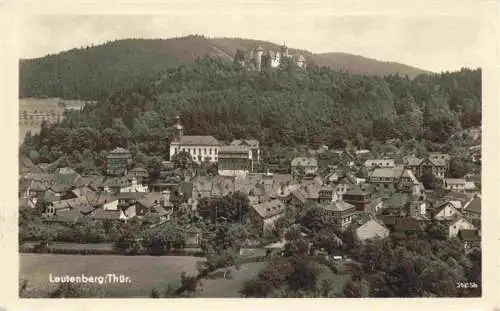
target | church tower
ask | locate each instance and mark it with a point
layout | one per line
(179, 129)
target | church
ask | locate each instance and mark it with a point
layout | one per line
(239, 157)
(200, 148)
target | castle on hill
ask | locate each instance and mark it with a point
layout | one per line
(256, 58)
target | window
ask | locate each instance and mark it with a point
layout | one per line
(175, 151)
(189, 150)
(183, 149)
(194, 150)
(205, 151)
(199, 150)
(210, 151)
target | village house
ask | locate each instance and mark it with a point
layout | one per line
(370, 230)
(373, 163)
(385, 179)
(457, 224)
(155, 203)
(473, 209)
(234, 160)
(454, 184)
(436, 164)
(304, 166)
(446, 210)
(264, 215)
(139, 173)
(344, 185)
(470, 239)
(359, 198)
(253, 146)
(117, 162)
(341, 212)
(459, 199)
(327, 195)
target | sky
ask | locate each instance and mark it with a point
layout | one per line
(433, 35)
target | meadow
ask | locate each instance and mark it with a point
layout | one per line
(145, 272)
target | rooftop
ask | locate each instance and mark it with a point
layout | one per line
(339, 206)
(189, 140)
(269, 208)
(245, 142)
(119, 150)
(234, 149)
(304, 161)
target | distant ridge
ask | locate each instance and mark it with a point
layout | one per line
(91, 72)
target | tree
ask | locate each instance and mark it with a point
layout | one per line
(457, 168)
(182, 160)
(154, 293)
(239, 56)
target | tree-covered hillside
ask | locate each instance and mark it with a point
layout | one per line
(95, 72)
(284, 107)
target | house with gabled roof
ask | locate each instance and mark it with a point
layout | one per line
(473, 209)
(446, 210)
(302, 166)
(385, 178)
(264, 215)
(470, 239)
(455, 225)
(359, 197)
(370, 230)
(454, 184)
(341, 212)
(253, 146)
(117, 162)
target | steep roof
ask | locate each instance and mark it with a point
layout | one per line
(469, 235)
(190, 140)
(474, 206)
(300, 194)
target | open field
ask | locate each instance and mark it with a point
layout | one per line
(145, 272)
(34, 109)
(229, 288)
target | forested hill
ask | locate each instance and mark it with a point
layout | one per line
(95, 72)
(285, 107)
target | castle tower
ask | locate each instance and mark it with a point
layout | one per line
(179, 129)
(284, 51)
(258, 57)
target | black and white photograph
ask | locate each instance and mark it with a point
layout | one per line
(253, 150)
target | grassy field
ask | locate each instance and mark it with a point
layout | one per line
(229, 288)
(145, 272)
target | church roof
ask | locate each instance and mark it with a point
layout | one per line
(189, 140)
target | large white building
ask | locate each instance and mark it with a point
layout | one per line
(207, 147)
